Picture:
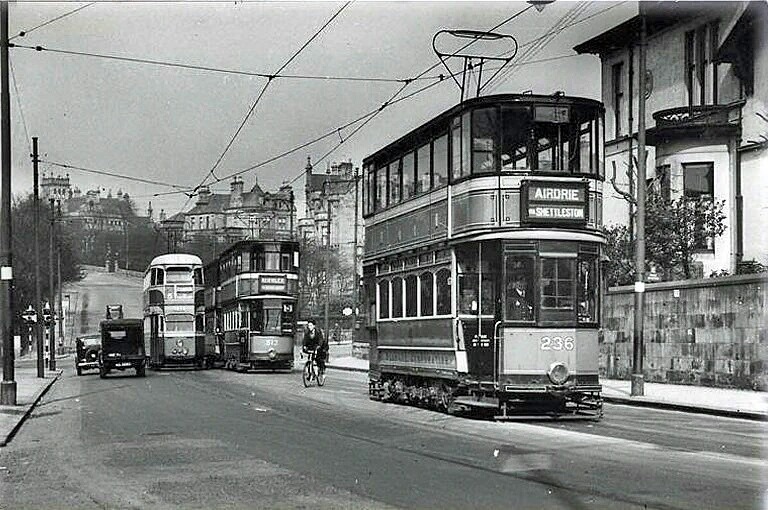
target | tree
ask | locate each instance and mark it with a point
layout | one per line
(676, 229)
(23, 242)
(313, 280)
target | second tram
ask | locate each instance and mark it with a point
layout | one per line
(173, 312)
(482, 258)
(250, 304)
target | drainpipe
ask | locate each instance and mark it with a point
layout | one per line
(630, 160)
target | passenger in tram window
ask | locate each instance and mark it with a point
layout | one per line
(519, 299)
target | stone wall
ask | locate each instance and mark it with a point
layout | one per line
(710, 332)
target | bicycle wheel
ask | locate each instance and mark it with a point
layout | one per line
(306, 374)
(320, 376)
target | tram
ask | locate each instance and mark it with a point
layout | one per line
(250, 304)
(173, 312)
(481, 268)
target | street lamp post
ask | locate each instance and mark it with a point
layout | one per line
(38, 293)
(51, 289)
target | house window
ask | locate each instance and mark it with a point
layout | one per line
(617, 80)
(699, 183)
(661, 183)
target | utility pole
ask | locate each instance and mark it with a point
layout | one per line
(328, 273)
(58, 278)
(38, 297)
(354, 258)
(51, 290)
(8, 385)
(637, 388)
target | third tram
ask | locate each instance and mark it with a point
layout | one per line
(481, 268)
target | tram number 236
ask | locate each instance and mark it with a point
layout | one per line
(556, 343)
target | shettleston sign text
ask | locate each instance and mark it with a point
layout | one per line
(555, 202)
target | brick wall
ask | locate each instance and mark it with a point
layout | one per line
(711, 332)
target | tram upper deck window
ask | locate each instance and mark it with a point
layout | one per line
(409, 175)
(384, 299)
(178, 274)
(394, 182)
(271, 258)
(456, 169)
(484, 132)
(198, 276)
(440, 161)
(423, 168)
(515, 134)
(156, 276)
(382, 180)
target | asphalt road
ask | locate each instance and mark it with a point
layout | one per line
(212, 439)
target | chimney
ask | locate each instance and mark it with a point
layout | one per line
(162, 214)
(204, 195)
(236, 196)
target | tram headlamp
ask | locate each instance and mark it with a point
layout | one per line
(185, 351)
(180, 342)
(558, 372)
(272, 354)
(174, 351)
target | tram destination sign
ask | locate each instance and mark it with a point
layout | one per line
(272, 283)
(554, 203)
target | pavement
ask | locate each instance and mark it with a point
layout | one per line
(29, 390)
(733, 403)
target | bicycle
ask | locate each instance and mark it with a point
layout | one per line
(312, 371)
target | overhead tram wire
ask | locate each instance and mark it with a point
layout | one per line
(194, 67)
(24, 33)
(264, 89)
(113, 174)
(18, 101)
(405, 85)
(261, 94)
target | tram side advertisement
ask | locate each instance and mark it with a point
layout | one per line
(554, 203)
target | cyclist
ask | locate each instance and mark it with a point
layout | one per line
(315, 341)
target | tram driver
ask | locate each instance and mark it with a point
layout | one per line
(519, 298)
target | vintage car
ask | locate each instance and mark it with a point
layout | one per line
(87, 348)
(122, 346)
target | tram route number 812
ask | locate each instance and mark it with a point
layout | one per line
(556, 343)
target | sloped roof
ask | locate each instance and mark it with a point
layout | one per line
(216, 204)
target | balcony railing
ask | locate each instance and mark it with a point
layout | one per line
(697, 116)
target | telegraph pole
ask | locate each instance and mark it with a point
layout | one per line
(8, 385)
(637, 388)
(354, 258)
(38, 297)
(52, 289)
(58, 281)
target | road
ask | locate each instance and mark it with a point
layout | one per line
(212, 439)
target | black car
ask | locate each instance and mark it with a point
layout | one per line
(87, 349)
(122, 346)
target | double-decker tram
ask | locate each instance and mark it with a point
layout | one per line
(251, 306)
(173, 311)
(482, 258)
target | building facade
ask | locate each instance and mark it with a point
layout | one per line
(706, 115)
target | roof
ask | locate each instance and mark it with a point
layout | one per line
(118, 323)
(338, 183)
(216, 204)
(659, 16)
(176, 258)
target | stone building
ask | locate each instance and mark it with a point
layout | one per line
(219, 219)
(706, 115)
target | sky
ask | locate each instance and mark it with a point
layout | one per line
(172, 125)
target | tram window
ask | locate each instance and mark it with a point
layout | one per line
(411, 291)
(466, 143)
(427, 294)
(546, 150)
(198, 276)
(440, 161)
(587, 290)
(179, 322)
(519, 293)
(397, 297)
(178, 274)
(484, 130)
(456, 149)
(423, 165)
(157, 276)
(394, 182)
(443, 285)
(271, 258)
(468, 293)
(384, 299)
(244, 316)
(557, 283)
(381, 188)
(515, 128)
(285, 261)
(257, 316)
(272, 314)
(409, 175)
(585, 147)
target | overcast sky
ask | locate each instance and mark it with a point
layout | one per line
(172, 124)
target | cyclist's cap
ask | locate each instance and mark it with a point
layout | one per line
(311, 321)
